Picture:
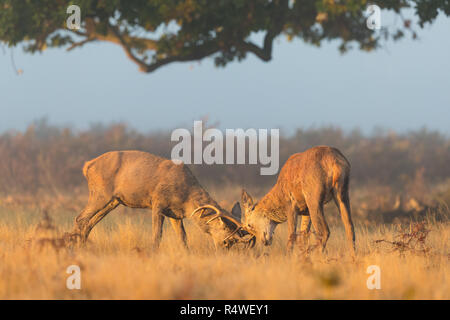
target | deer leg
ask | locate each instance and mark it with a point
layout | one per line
(292, 228)
(83, 218)
(157, 227)
(342, 200)
(90, 216)
(315, 207)
(99, 216)
(178, 227)
(305, 226)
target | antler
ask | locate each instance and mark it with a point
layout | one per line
(206, 207)
(251, 241)
(219, 214)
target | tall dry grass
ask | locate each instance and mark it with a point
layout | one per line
(118, 263)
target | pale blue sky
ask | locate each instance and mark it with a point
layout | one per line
(404, 86)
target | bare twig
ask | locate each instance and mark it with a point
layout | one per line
(412, 241)
(13, 63)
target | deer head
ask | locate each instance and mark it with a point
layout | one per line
(254, 220)
(225, 230)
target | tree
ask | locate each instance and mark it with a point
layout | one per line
(157, 32)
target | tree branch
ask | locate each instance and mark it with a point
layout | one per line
(200, 53)
(264, 53)
(121, 41)
(114, 35)
(81, 43)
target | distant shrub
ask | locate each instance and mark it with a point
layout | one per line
(49, 158)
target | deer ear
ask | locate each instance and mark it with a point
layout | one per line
(247, 200)
(236, 211)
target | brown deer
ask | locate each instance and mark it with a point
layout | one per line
(307, 181)
(141, 180)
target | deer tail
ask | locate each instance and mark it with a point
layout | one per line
(341, 173)
(86, 166)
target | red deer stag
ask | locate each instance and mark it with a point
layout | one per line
(306, 182)
(141, 180)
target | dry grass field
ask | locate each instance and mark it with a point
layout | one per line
(118, 263)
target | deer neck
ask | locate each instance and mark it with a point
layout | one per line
(274, 205)
(197, 198)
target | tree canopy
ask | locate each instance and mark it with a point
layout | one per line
(157, 32)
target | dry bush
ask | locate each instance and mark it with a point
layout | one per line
(412, 240)
(47, 158)
(47, 235)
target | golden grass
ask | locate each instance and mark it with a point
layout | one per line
(119, 264)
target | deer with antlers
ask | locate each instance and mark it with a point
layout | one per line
(141, 180)
(306, 182)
